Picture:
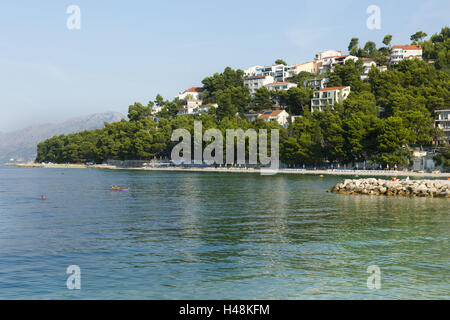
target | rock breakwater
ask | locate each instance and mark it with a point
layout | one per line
(411, 188)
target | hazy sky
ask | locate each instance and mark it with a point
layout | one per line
(129, 51)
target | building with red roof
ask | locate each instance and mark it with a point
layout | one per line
(280, 116)
(402, 52)
(194, 92)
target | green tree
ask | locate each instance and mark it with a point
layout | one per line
(137, 112)
(353, 46)
(392, 143)
(387, 40)
(442, 157)
(371, 48)
(418, 36)
(262, 99)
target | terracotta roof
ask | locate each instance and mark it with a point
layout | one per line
(367, 59)
(270, 114)
(333, 88)
(408, 47)
(194, 89)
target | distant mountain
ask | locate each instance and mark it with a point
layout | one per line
(21, 145)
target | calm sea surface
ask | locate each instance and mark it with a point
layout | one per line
(185, 235)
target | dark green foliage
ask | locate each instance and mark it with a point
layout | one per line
(442, 157)
(438, 48)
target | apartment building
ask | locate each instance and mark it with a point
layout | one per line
(279, 72)
(256, 82)
(403, 52)
(277, 86)
(328, 96)
(443, 122)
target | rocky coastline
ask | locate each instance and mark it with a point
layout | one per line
(407, 188)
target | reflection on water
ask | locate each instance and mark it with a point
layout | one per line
(180, 235)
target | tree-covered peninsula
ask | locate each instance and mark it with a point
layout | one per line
(382, 118)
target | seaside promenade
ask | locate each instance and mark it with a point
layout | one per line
(337, 172)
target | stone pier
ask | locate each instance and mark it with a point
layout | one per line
(409, 188)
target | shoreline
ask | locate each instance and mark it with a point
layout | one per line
(333, 172)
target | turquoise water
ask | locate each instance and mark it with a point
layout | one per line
(185, 235)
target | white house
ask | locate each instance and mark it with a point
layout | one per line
(400, 53)
(328, 96)
(194, 92)
(276, 86)
(329, 63)
(368, 64)
(326, 54)
(443, 123)
(280, 116)
(256, 82)
(251, 71)
(190, 107)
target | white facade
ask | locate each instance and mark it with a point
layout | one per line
(329, 63)
(279, 72)
(368, 64)
(190, 107)
(316, 84)
(276, 86)
(194, 92)
(256, 82)
(251, 71)
(280, 116)
(443, 123)
(328, 96)
(326, 54)
(400, 53)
